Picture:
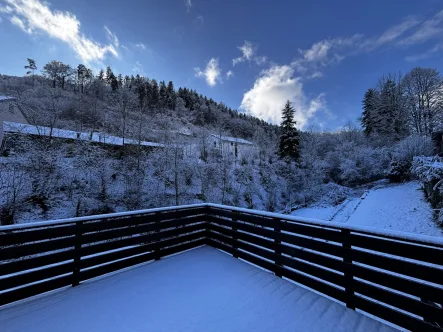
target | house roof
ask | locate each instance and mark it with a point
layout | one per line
(15, 127)
(6, 98)
(232, 139)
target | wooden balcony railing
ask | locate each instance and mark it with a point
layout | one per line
(393, 276)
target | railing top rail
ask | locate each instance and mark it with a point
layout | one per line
(97, 217)
(397, 235)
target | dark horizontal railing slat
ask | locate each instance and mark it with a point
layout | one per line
(394, 316)
(396, 265)
(406, 250)
(20, 237)
(127, 231)
(34, 289)
(35, 262)
(398, 279)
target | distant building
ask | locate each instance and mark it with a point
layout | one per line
(9, 112)
(231, 146)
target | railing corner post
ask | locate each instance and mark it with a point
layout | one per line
(348, 273)
(77, 253)
(277, 249)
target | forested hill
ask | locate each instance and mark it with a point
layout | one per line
(62, 96)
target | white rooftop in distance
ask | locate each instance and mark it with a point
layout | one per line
(15, 127)
(201, 290)
(3, 98)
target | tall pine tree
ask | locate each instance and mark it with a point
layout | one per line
(369, 111)
(289, 146)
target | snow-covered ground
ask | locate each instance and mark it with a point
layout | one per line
(199, 290)
(397, 207)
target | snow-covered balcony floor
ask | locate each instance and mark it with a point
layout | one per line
(199, 290)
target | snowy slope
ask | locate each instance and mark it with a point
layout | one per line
(398, 207)
(200, 290)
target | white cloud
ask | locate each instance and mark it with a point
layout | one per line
(323, 53)
(428, 29)
(396, 31)
(188, 5)
(426, 55)
(272, 89)
(18, 22)
(198, 21)
(229, 74)
(248, 54)
(112, 37)
(211, 73)
(140, 46)
(34, 16)
(138, 68)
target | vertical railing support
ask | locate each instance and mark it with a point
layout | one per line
(157, 254)
(347, 259)
(206, 220)
(234, 237)
(77, 253)
(277, 249)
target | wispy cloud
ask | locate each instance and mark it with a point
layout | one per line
(425, 55)
(140, 46)
(248, 51)
(188, 5)
(211, 73)
(138, 68)
(272, 89)
(199, 21)
(392, 34)
(229, 74)
(112, 37)
(321, 54)
(428, 29)
(34, 16)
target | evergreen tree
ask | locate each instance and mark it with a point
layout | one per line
(120, 81)
(289, 145)
(171, 96)
(163, 95)
(155, 95)
(32, 68)
(369, 110)
(109, 75)
(101, 75)
(82, 73)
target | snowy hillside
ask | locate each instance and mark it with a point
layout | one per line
(396, 207)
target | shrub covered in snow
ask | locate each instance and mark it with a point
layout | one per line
(429, 170)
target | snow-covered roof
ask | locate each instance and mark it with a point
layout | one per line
(6, 98)
(14, 127)
(232, 139)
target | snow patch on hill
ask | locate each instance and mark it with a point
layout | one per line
(399, 207)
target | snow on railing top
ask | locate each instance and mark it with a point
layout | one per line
(423, 239)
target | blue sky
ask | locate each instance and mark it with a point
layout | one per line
(252, 55)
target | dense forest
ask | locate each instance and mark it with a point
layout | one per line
(45, 178)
